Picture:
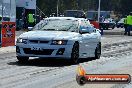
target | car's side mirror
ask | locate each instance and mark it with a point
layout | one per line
(98, 30)
(83, 31)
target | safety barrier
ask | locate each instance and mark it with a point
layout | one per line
(8, 34)
(0, 34)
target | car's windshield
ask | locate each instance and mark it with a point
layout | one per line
(60, 25)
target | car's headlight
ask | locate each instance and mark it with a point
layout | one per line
(59, 42)
(20, 40)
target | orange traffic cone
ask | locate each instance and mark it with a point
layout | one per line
(81, 71)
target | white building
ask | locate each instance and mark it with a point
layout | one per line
(27, 4)
(8, 10)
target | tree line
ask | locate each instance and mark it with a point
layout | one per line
(118, 6)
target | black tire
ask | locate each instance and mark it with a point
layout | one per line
(113, 27)
(22, 59)
(128, 33)
(98, 51)
(75, 53)
(117, 26)
(17, 29)
(81, 80)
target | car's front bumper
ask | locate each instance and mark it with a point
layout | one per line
(45, 51)
(120, 25)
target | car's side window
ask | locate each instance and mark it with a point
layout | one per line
(82, 26)
(86, 27)
(89, 27)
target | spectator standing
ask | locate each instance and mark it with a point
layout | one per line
(129, 23)
(125, 25)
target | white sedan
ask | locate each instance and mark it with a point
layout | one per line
(60, 37)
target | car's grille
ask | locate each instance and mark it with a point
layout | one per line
(38, 52)
(38, 41)
(43, 41)
(33, 41)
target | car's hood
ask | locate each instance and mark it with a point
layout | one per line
(50, 35)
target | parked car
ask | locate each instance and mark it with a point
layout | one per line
(60, 37)
(120, 23)
(108, 23)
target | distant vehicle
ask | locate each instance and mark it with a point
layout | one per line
(60, 37)
(120, 23)
(94, 14)
(108, 23)
(74, 13)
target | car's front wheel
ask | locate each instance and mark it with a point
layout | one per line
(75, 53)
(22, 59)
(98, 51)
(117, 26)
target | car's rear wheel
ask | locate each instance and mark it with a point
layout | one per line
(22, 59)
(98, 51)
(81, 80)
(121, 26)
(75, 53)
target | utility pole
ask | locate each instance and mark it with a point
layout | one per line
(77, 4)
(99, 10)
(2, 9)
(57, 7)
